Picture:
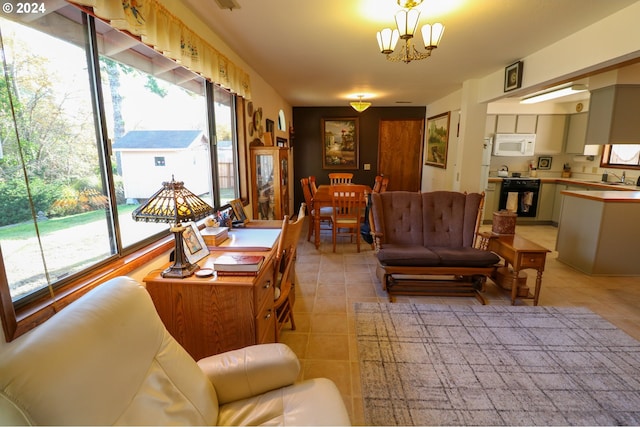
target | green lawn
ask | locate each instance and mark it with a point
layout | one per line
(25, 229)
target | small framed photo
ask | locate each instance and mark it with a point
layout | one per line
(544, 163)
(238, 210)
(513, 76)
(194, 246)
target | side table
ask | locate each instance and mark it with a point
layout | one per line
(521, 254)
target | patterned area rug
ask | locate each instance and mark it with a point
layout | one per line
(495, 365)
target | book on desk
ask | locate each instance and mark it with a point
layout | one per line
(237, 264)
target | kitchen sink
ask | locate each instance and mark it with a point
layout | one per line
(605, 183)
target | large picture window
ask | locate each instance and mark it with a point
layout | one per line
(86, 137)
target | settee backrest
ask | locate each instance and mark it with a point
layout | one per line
(436, 218)
(105, 359)
(398, 216)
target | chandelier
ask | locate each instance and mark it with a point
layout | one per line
(360, 105)
(407, 23)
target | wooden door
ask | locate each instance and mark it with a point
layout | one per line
(400, 153)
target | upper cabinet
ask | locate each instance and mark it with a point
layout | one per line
(526, 123)
(550, 129)
(506, 123)
(550, 133)
(613, 115)
(577, 133)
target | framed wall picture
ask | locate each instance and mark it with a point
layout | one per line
(340, 143)
(194, 247)
(513, 76)
(281, 142)
(435, 153)
(544, 163)
(238, 210)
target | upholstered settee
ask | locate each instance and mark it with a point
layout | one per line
(425, 243)
(107, 359)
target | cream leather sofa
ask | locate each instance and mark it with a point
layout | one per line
(107, 359)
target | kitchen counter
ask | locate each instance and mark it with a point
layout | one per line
(576, 181)
(599, 231)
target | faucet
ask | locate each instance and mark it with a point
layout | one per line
(621, 178)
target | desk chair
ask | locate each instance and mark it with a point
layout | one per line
(347, 202)
(340, 178)
(325, 213)
(284, 271)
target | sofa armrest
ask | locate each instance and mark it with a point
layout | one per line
(249, 371)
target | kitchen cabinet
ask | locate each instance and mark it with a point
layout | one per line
(613, 115)
(577, 133)
(506, 123)
(270, 182)
(546, 199)
(490, 126)
(550, 133)
(526, 123)
(557, 203)
(598, 232)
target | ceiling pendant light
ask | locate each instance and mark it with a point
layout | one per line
(360, 105)
(406, 26)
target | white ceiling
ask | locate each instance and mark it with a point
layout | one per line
(319, 52)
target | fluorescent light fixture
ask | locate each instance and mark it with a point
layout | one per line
(565, 91)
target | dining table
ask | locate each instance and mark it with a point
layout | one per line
(322, 199)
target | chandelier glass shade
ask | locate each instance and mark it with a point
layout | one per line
(406, 26)
(360, 105)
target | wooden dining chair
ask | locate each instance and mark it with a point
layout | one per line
(325, 213)
(312, 184)
(340, 178)
(380, 184)
(347, 203)
(284, 273)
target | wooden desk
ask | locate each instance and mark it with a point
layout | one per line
(322, 199)
(521, 254)
(211, 315)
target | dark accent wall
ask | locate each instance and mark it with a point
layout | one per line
(307, 141)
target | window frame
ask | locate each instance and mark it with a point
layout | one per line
(18, 317)
(606, 156)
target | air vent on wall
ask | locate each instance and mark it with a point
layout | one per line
(228, 4)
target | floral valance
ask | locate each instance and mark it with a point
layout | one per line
(160, 29)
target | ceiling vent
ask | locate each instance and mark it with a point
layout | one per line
(228, 4)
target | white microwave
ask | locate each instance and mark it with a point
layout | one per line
(514, 144)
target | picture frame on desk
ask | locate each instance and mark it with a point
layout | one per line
(194, 246)
(238, 210)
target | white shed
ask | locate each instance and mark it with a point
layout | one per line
(150, 157)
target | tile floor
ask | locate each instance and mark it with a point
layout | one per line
(329, 284)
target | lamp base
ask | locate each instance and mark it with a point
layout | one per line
(181, 267)
(180, 271)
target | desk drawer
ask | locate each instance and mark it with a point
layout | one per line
(265, 325)
(535, 260)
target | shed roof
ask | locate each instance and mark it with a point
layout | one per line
(156, 139)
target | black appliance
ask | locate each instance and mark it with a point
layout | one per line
(522, 192)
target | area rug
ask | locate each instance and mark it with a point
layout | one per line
(495, 365)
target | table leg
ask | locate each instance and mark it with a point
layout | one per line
(514, 286)
(536, 294)
(316, 233)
